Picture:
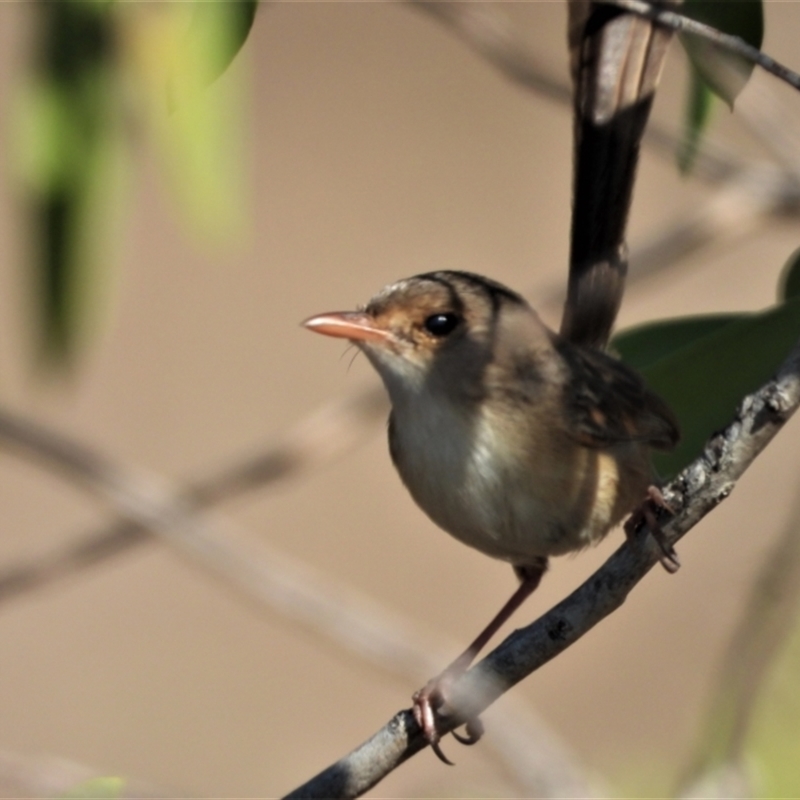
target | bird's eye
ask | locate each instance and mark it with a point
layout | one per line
(441, 324)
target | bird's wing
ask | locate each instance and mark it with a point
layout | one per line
(608, 402)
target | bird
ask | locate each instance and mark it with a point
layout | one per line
(514, 440)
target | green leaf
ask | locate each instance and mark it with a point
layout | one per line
(69, 159)
(725, 73)
(699, 102)
(642, 346)
(198, 129)
(220, 30)
(789, 283)
(704, 366)
(773, 741)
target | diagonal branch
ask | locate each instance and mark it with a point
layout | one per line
(734, 44)
(697, 490)
(492, 35)
(326, 434)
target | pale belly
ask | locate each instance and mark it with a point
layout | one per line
(510, 503)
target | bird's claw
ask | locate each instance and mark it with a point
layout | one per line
(427, 701)
(647, 513)
(474, 732)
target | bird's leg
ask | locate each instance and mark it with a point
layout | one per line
(433, 695)
(648, 513)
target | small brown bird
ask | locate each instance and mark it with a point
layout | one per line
(513, 440)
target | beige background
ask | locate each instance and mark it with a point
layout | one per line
(379, 147)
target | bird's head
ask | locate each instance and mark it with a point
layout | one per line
(439, 327)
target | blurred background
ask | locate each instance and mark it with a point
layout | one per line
(348, 145)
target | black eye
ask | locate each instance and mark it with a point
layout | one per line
(441, 324)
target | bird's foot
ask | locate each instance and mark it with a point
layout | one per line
(427, 704)
(647, 513)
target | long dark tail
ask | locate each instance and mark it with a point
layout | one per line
(616, 64)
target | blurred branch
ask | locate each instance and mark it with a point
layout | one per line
(699, 488)
(741, 204)
(492, 35)
(760, 633)
(751, 195)
(776, 124)
(282, 584)
(734, 44)
(323, 436)
(733, 209)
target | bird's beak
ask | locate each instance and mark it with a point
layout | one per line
(353, 325)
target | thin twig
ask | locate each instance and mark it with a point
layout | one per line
(757, 192)
(324, 435)
(697, 490)
(749, 197)
(734, 44)
(492, 35)
(774, 123)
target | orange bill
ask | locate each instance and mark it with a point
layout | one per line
(353, 325)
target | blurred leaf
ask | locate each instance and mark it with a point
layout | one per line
(789, 283)
(763, 628)
(773, 743)
(220, 29)
(196, 128)
(704, 366)
(725, 73)
(109, 788)
(69, 158)
(699, 102)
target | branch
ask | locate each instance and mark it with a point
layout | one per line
(757, 192)
(750, 196)
(493, 36)
(701, 486)
(284, 585)
(774, 123)
(326, 434)
(734, 44)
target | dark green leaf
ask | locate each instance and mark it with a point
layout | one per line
(789, 283)
(703, 366)
(642, 346)
(68, 153)
(725, 73)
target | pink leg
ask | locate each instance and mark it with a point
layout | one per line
(433, 695)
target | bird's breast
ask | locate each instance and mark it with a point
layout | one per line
(513, 494)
